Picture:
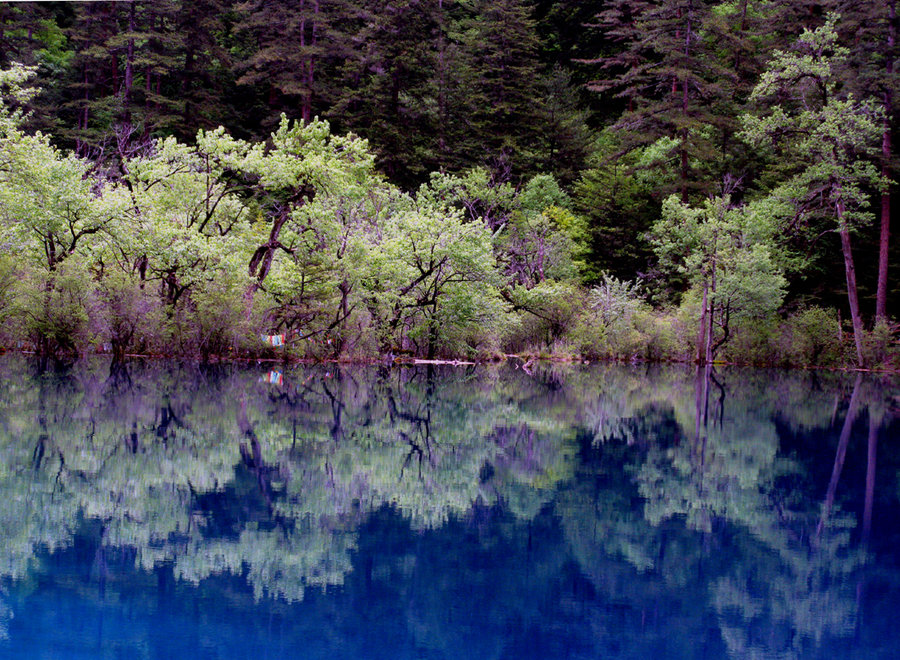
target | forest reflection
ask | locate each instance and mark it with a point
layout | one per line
(680, 498)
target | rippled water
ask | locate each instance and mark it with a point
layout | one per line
(162, 511)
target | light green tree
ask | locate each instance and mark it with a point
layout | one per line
(727, 253)
(52, 207)
(826, 136)
(434, 275)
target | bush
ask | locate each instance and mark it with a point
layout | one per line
(619, 324)
(755, 341)
(212, 319)
(548, 312)
(55, 307)
(882, 346)
(8, 279)
(812, 337)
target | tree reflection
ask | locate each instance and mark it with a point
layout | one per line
(722, 487)
(684, 499)
(165, 458)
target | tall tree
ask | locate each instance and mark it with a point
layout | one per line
(668, 78)
(826, 135)
(873, 27)
(288, 42)
(385, 92)
(206, 70)
(122, 83)
(501, 46)
(726, 252)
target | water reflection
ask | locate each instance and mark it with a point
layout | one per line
(625, 510)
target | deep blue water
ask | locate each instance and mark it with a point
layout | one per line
(165, 511)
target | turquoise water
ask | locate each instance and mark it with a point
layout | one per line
(165, 511)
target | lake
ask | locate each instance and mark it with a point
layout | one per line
(157, 510)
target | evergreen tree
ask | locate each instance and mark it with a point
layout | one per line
(501, 46)
(205, 75)
(121, 86)
(288, 42)
(669, 79)
(385, 92)
(21, 24)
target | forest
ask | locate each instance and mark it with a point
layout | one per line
(662, 180)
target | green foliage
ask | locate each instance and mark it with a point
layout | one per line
(54, 307)
(825, 136)
(550, 309)
(815, 337)
(129, 311)
(435, 274)
(8, 279)
(615, 300)
(824, 133)
(726, 252)
(617, 202)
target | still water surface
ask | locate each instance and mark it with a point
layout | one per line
(165, 511)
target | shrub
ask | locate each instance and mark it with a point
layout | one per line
(813, 338)
(55, 307)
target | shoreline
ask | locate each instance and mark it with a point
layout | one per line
(527, 361)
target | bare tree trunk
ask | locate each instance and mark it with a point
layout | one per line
(850, 271)
(711, 315)
(684, 107)
(885, 233)
(701, 334)
(304, 102)
(129, 66)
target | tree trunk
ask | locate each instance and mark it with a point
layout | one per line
(701, 334)
(885, 233)
(311, 61)
(304, 100)
(850, 272)
(129, 66)
(884, 238)
(684, 109)
(711, 316)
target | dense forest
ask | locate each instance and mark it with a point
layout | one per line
(644, 179)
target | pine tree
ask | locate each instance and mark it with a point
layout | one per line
(205, 75)
(384, 93)
(122, 86)
(668, 78)
(288, 43)
(20, 27)
(500, 42)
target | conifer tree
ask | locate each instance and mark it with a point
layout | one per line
(668, 78)
(206, 70)
(384, 90)
(122, 83)
(501, 45)
(288, 43)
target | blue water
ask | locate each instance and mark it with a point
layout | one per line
(165, 511)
